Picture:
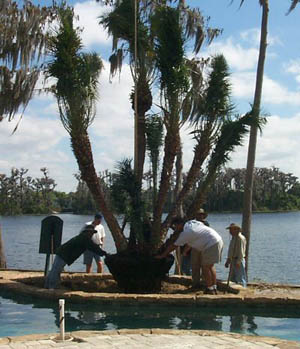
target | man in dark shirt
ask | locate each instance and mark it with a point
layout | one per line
(68, 252)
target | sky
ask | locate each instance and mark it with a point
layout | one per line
(41, 141)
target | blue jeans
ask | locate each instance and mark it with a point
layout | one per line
(238, 275)
(53, 276)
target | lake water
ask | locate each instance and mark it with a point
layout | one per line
(274, 257)
(274, 245)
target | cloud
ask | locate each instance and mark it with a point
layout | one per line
(293, 67)
(93, 33)
(36, 144)
(275, 147)
(112, 131)
(252, 37)
(237, 57)
(243, 86)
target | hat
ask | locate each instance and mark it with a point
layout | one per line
(98, 216)
(233, 225)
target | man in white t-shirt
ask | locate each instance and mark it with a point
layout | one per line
(204, 239)
(98, 239)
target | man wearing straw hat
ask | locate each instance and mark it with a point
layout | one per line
(236, 256)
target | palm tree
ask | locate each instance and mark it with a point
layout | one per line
(184, 95)
(215, 131)
(126, 42)
(154, 132)
(76, 92)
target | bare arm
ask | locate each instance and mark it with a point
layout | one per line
(167, 251)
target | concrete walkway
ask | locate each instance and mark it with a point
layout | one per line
(143, 339)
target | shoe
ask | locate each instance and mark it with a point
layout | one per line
(216, 292)
(208, 291)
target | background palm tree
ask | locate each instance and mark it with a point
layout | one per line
(155, 136)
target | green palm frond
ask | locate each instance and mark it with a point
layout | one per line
(126, 178)
(170, 49)
(76, 73)
(119, 24)
(213, 105)
(126, 188)
(154, 132)
(231, 136)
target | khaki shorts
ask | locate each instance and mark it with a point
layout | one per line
(213, 254)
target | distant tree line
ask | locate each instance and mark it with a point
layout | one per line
(20, 193)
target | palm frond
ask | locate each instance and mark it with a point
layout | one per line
(76, 73)
(169, 49)
(231, 136)
(293, 5)
(213, 105)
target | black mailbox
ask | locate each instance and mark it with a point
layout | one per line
(51, 234)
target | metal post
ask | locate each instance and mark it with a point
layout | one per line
(62, 319)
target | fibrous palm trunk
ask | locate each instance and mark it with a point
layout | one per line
(83, 153)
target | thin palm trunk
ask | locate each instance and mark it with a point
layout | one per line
(201, 153)
(248, 190)
(172, 144)
(178, 186)
(142, 103)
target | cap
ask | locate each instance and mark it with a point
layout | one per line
(98, 216)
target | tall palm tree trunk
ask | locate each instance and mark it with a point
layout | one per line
(248, 190)
(83, 153)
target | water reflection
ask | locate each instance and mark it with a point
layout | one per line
(243, 324)
(94, 316)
